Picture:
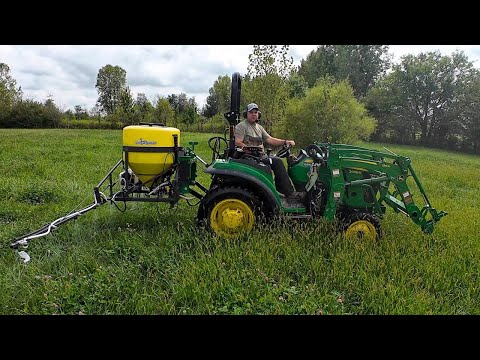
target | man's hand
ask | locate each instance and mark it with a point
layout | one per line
(290, 142)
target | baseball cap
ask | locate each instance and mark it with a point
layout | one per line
(252, 106)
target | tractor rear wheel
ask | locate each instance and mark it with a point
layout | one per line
(229, 211)
(362, 226)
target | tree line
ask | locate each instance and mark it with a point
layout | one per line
(338, 93)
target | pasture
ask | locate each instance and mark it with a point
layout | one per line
(151, 259)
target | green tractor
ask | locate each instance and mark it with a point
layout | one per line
(349, 184)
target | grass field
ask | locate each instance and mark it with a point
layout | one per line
(153, 260)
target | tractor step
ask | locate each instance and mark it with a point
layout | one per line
(298, 216)
(292, 202)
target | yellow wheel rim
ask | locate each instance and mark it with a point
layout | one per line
(231, 217)
(361, 230)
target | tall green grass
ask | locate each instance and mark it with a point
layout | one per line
(153, 260)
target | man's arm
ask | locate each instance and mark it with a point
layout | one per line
(239, 142)
(239, 135)
(279, 142)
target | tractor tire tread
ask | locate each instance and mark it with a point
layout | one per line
(350, 218)
(223, 192)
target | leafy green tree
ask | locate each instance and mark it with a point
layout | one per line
(319, 63)
(143, 104)
(143, 108)
(394, 121)
(218, 100)
(420, 96)
(33, 114)
(9, 93)
(52, 114)
(468, 114)
(266, 82)
(268, 59)
(111, 87)
(96, 113)
(185, 109)
(221, 91)
(190, 114)
(80, 112)
(361, 65)
(69, 115)
(297, 86)
(211, 104)
(178, 102)
(163, 112)
(328, 112)
(126, 107)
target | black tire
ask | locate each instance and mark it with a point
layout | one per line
(242, 205)
(361, 225)
(314, 149)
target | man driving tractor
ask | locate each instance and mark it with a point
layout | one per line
(249, 133)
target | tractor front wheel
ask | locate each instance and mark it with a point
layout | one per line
(362, 226)
(229, 211)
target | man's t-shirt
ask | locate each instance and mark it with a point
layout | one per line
(252, 134)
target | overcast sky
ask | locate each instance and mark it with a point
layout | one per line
(68, 72)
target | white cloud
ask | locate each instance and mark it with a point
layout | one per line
(68, 72)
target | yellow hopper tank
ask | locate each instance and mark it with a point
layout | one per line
(150, 149)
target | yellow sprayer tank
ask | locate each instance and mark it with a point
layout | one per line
(150, 149)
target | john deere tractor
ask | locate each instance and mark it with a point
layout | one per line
(349, 184)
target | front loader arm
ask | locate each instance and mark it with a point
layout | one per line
(425, 217)
(388, 174)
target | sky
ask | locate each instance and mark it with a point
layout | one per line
(68, 73)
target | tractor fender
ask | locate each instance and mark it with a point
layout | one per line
(268, 195)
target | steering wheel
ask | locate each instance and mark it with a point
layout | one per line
(284, 151)
(316, 152)
(216, 146)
